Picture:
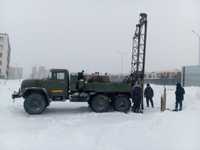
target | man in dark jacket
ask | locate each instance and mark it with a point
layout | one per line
(80, 81)
(137, 97)
(179, 96)
(148, 93)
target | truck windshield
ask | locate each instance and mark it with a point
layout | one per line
(56, 75)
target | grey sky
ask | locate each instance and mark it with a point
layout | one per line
(86, 34)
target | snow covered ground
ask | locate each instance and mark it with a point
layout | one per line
(73, 126)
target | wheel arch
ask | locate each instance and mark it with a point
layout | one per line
(41, 91)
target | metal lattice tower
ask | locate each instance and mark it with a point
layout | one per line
(139, 50)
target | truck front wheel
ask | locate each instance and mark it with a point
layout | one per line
(122, 104)
(100, 103)
(35, 104)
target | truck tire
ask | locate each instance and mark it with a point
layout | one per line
(100, 103)
(122, 104)
(35, 104)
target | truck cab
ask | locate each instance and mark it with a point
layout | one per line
(57, 84)
(38, 93)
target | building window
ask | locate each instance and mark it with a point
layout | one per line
(0, 63)
(1, 54)
(1, 38)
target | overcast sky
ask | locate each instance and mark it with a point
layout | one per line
(88, 34)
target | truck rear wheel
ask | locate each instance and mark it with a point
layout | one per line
(100, 103)
(122, 104)
(35, 104)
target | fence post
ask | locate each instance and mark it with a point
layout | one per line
(163, 101)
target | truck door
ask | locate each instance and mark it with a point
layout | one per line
(57, 85)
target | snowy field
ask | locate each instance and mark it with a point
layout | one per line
(72, 126)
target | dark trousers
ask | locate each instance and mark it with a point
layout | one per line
(136, 105)
(178, 103)
(151, 101)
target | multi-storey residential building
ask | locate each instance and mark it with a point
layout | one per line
(15, 73)
(39, 72)
(4, 55)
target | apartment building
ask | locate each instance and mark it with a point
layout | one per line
(4, 55)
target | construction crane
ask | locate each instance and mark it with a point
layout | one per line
(139, 52)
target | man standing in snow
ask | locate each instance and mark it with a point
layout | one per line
(137, 97)
(179, 96)
(148, 93)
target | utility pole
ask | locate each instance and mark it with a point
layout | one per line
(122, 54)
(198, 36)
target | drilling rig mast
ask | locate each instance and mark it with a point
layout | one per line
(139, 52)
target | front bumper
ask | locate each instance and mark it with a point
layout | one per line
(16, 94)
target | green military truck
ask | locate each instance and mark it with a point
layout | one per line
(61, 86)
